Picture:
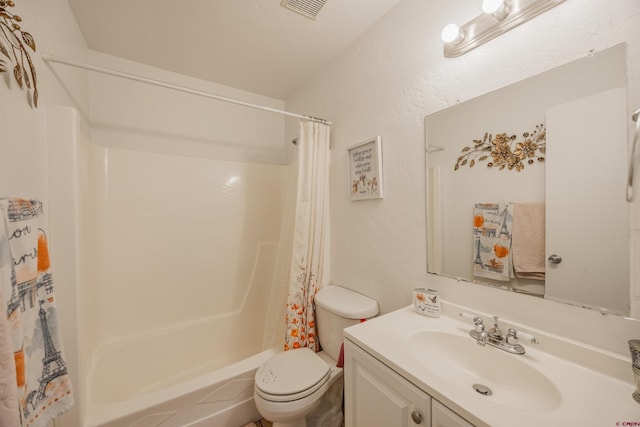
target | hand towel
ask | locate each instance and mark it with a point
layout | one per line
(43, 383)
(492, 230)
(528, 240)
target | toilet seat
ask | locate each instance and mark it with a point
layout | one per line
(291, 375)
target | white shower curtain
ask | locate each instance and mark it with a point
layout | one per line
(311, 232)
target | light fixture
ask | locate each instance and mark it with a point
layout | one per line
(499, 17)
(499, 9)
(451, 34)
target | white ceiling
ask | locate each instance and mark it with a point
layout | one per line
(255, 45)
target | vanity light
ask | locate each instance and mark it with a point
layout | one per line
(499, 17)
(499, 9)
(451, 34)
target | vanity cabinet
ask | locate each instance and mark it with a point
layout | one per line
(375, 395)
(441, 416)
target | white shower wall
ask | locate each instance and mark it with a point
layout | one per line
(188, 201)
(183, 238)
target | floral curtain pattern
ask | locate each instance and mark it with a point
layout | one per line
(310, 239)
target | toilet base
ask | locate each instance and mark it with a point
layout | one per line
(294, 413)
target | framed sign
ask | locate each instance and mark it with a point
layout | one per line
(364, 162)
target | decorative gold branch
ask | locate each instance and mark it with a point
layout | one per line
(13, 47)
(505, 152)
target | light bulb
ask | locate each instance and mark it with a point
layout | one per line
(499, 9)
(492, 6)
(451, 34)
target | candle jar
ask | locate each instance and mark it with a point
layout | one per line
(426, 301)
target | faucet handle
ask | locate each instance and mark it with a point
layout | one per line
(478, 323)
(512, 337)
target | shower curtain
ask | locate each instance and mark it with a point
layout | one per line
(310, 239)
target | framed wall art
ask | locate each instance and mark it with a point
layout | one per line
(364, 162)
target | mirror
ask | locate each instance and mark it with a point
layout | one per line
(526, 186)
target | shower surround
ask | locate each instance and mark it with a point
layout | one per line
(175, 259)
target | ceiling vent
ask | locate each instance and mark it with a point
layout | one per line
(308, 8)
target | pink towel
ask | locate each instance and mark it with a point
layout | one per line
(527, 242)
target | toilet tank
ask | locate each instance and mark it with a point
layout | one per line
(338, 308)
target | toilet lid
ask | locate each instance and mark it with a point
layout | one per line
(291, 375)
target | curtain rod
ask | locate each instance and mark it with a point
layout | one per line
(47, 57)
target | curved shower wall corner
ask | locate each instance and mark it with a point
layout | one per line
(69, 151)
(177, 256)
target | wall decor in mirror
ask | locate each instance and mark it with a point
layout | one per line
(526, 186)
(503, 151)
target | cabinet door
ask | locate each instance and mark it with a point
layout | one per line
(377, 396)
(441, 416)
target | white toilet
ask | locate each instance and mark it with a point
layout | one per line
(291, 385)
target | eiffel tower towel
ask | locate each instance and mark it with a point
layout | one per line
(43, 383)
(492, 240)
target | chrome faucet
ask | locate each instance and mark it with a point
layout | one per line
(495, 337)
(495, 333)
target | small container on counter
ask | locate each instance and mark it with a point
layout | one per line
(426, 302)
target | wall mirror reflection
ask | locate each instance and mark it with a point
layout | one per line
(526, 186)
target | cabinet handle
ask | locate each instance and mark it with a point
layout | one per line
(416, 417)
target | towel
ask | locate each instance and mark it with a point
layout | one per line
(9, 415)
(528, 240)
(492, 229)
(43, 383)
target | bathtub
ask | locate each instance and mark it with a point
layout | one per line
(204, 386)
(195, 373)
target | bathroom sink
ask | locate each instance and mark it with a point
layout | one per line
(556, 383)
(460, 361)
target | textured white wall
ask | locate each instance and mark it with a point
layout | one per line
(387, 81)
(23, 164)
(27, 152)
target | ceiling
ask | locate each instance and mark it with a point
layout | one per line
(254, 45)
